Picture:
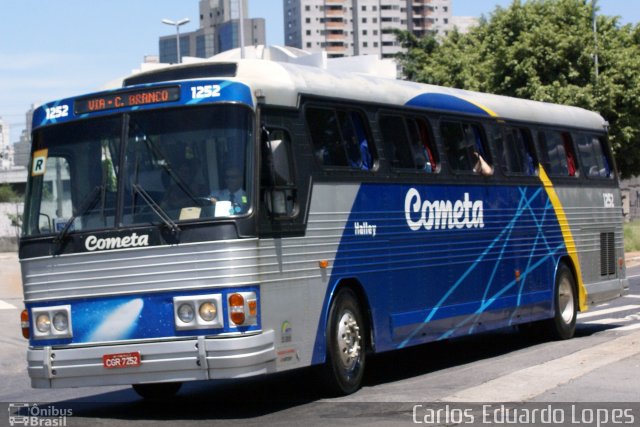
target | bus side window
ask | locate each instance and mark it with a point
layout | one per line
(395, 137)
(559, 150)
(593, 156)
(325, 135)
(466, 150)
(518, 154)
(409, 143)
(340, 138)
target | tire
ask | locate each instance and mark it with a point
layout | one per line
(346, 345)
(565, 302)
(157, 391)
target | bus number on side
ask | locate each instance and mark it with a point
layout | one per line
(608, 200)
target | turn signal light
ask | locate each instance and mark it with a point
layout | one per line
(243, 308)
(236, 308)
(24, 324)
(253, 307)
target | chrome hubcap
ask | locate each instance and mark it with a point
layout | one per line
(349, 341)
(565, 301)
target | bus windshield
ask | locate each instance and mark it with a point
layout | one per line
(168, 165)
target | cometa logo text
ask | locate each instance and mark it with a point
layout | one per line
(442, 214)
(93, 243)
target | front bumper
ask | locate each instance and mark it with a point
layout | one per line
(198, 358)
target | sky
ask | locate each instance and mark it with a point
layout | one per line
(55, 49)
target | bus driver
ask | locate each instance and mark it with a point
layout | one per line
(232, 192)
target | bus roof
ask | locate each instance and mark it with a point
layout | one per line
(282, 75)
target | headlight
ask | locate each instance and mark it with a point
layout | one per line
(208, 311)
(51, 322)
(60, 322)
(43, 323)
(186, 313)
(198, 312)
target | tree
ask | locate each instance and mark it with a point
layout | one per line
(7, 195)
(543, 50)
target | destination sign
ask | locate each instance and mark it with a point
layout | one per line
(127, 99)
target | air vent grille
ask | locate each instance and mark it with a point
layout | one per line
(607, 254)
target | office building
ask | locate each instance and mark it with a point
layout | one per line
(22, 148)
(361, 27)
(219, 21)
(6, 149)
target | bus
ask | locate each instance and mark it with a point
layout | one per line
(236, 217)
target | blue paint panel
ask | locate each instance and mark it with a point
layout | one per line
(135, 317)
(62, 111)
(438, 101)
(443, 261)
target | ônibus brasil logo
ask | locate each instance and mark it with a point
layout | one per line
(442, 214)
(31, 414)
(93, 243)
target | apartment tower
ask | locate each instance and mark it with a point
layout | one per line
(361, 27)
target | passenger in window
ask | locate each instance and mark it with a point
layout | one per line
(430, 164)
(529, 164)
(232, 191)
(423, 143)
(422, 160)
(481, 166)
(358, 154)
(571, 163)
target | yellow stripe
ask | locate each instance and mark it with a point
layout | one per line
(566, 234)
(483, 108)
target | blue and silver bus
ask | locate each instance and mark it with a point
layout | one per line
(237, 217)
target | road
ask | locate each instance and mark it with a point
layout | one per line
(599, 365)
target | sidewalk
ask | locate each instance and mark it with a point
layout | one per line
(10, 277)
(632, 259)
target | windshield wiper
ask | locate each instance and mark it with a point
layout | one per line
(155, 208)
(88, 203)
(166, 165)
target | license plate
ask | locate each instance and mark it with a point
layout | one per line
(121, 360)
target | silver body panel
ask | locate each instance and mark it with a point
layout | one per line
(588, 218)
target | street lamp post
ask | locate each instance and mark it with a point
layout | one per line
(177, 24)
(241, 27)
(595, 37)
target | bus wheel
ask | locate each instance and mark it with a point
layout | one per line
(157, 391)
(563, 324)
(346, 334)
